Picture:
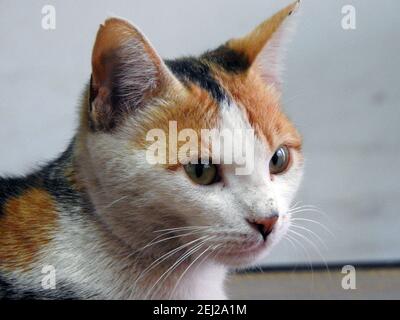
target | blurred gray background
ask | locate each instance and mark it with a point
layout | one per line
(341, 90)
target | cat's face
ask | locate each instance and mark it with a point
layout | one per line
(231, 210)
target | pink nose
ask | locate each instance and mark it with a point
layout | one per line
(264, 225)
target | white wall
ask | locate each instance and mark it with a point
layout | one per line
(342, 90)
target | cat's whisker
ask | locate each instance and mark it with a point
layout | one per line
(183, 228)
(299, 205)
(115, 202)
(153, 242)
(315, 248)
(288, 238)
(165, 256)
(303, 209)
(213, 250)
(189, 266)
(305, 238)
(308, 211)
(188, 255)
(292, 243)
(315, 222)
(312, 233)
(295, 204)
(304, 249)
(177, 263)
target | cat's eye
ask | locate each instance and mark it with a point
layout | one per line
(203, 174)
(280, 160)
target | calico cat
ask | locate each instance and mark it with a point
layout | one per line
(111, 224)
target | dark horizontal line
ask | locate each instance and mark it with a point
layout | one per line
(331, 266)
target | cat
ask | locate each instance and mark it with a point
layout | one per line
(101, 222)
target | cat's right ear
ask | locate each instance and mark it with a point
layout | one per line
(264, 47)
(126, 73)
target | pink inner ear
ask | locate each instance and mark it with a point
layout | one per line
(269, 61)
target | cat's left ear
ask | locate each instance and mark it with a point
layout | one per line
(127, 73)
(264, 47)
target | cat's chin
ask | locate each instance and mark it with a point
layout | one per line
(243, 258)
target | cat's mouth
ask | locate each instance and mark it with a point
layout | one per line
(247, 252)
(243, 255)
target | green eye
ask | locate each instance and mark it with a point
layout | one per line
(280, 160)
(203, 174)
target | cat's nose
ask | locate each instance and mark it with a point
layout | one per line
(265, 225)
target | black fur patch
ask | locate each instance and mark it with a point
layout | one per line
(194, 70)
(197, 70)
(10, 292)
(229, 60)
(14, 187)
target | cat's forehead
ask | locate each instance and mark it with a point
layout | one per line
(225, 77)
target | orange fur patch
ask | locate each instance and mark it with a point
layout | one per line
(26, 225)
(252, 44)
(191, 109)
(262, 107)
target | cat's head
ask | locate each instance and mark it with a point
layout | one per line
(234, 210)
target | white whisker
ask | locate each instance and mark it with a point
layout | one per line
(115, 202)
(182, 228)
(307, 255)
(315, 248)
(187, 269)
(153, 242)
(177, 263)
(316, 222)
(166, 256)
(313, 233)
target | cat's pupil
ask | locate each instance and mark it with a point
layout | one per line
(278, 158)
(275, 159)
(199, 170)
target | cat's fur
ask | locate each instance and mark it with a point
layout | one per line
(90, 212)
